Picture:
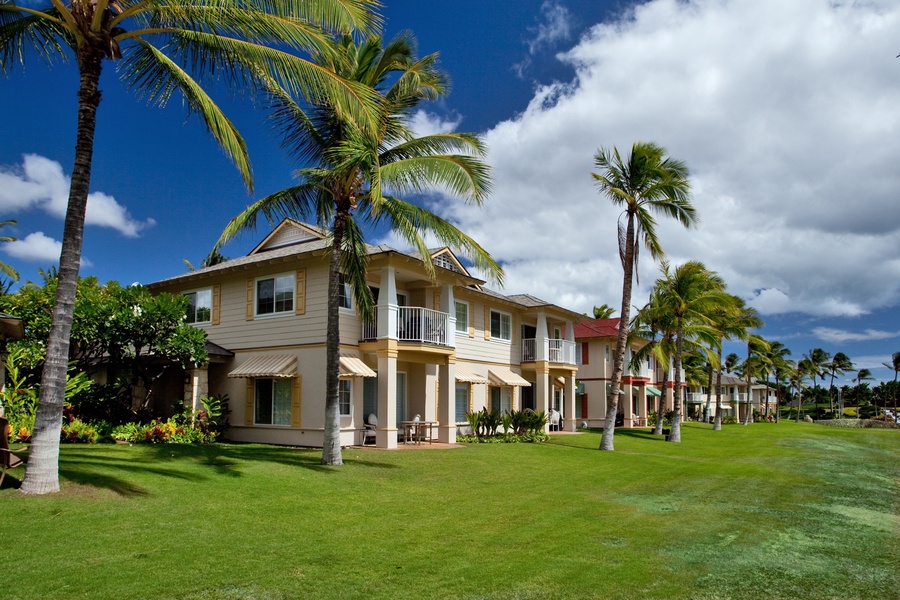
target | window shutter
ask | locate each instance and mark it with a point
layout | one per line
(471, 398)
(300, 300)
(437, 300)
(585, 353)
(584, 406)
(487, 322)
(248, 402)
(437, 399)
(470, 314)
(216, 303)
(249, 299)
(296, 391)
(514, 334)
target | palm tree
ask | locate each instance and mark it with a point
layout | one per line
(604, 311)
(5, 268)
(861, 376)
(895, 366)
(781, 365)
(754, 366)
(357, 171)
(690, 293)
(155, 43)
(731, 319)
(818, 362)
(651, 320)
(840, 363)
(647, 182)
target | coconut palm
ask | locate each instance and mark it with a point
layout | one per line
(861, 376)
(645, 183)
(155, 43)
(651, 320)
(604, 311)
(894, 365)
(358, 171)
(781, 365)
(731, 319)
(690, 293)
(840, 364)
(753, 367)
(5, 268)
(818, 363)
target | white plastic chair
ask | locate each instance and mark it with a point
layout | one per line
(369, 428)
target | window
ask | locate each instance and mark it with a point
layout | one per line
(199, 308)
(501, 399)
(462, 316)
(462, 402)
(607, 352)
(275, 295)
(501, 326)
(273, 402)
(344, 397)
(345, 296)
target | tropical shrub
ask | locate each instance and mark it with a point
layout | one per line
(729, 420)
(667, 418)
(518, 426)
(77, 431)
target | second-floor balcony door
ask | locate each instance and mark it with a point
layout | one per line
(529, 348)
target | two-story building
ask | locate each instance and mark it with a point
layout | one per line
(434, 348)
(639, 392)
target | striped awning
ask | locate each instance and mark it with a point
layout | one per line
(468, 375)
(653, 391)
(506, 377)
(355, 367)
(270, 365)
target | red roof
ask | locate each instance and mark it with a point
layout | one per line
(595, 328)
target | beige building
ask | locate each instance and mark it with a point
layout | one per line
(640, 391)
(434, 349)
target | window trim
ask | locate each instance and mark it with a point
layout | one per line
(456, 304)
(196, 294)
(290, 407)
(491, 326)
(275, 313)
(344, 293)
(349, 396)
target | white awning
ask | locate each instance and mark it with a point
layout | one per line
(723, 406)
(506, 377)
(270, 365)
(355, 367)
(468, 375)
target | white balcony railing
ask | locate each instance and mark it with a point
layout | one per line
(558, 351)
(414, 324)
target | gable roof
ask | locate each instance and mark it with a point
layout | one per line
(288, 233)
(594, 328)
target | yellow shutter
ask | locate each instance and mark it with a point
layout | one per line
(300, 300)
(296, 396)
(437, 399)
(249, 299)
(471, 398)
(470, 313)
(216, 303)
(248, 402)
(487, 322)
(437, 300)
(514, 334)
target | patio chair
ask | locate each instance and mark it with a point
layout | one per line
(369, 428)
(8, 460)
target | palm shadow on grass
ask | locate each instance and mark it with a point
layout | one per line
(90, 466)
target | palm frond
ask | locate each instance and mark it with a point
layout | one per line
(354, 265)
(463, 176)
(21, 30)
(297, 202)
(152, 74)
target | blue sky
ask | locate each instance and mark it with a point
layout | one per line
(788, 115)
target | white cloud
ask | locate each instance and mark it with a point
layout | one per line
(40, 183)
(786, 113)
(555, 26)
(829, 334)
(37, 247)
(424, 123)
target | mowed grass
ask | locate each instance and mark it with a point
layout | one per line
(764, 511)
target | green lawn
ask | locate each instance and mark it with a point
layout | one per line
(765, 511)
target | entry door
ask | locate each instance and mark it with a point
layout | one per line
(401, 399)
(370, 397)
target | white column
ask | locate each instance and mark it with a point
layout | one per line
(387, 305)
(447, 396)
(570, 403)
(386, 434)
(542, 391)
(542, 340)
(448, 305)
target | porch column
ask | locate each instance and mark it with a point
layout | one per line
(387, 306)
(3, 355)
(448, 305)
(542, 340)
(196, 386)
(570, 337)
(626, 402)
(669, 392)
(447, 401)
(569, 402)
(542, 389)
(386, 433)
(642, 406)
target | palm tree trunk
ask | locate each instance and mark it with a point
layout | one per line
(612, 399)
(661, 413)
(717, 421)
(749, 390)
(331, 444)
(675, 431)
(42, 474)
(777, 398)
(709, 380)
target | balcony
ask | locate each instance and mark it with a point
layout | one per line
(557, 351)
(413, 325)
